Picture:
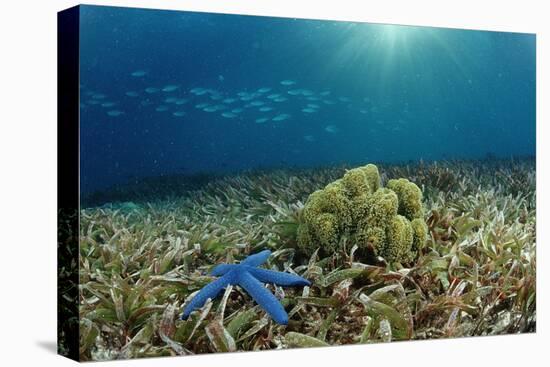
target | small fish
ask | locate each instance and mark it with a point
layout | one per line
(179, 113)
(256, 103)
(139, 73)
(170, 99)
(170, 88)
(108, 104)
(273, 96)
(265, 109)
(151, 90)
(132, 94)
(313, 105)
(309, 138)
(295, 92)
(325, 93)
(201, 105)
(280, 99)
(237, 110)
(93, 101)
(332, 129)
(210, 109)
(309, 110)
(264, 90)
(281, 117)
(99, 96)
(261, 120)
(288, 82)
(114, 113)
(229, 100)
(197, 90)
(161, 108)
(229, 115)
(181, 101)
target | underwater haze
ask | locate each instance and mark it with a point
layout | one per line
(180, 93)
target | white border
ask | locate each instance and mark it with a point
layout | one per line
(28, 180)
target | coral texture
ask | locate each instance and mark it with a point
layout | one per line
(389, 221)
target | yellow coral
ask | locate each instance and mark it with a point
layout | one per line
(420, 234)
(335, 202)
(400, 239)
(410, 197)
(326, 214)
(355, 182)
(373, 176)
(381, 207)
(313, 207)
(326, 226)
(359, 206)
(372, 238)
(377, 218)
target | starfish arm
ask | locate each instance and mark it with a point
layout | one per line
(277, 277)
(222, 269)
(263, 297)
(256, 259)
(211, 290)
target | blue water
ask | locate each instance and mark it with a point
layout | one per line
(376, 93)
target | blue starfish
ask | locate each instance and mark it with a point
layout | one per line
(248, 276)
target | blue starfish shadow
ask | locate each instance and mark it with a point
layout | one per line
(248, 276)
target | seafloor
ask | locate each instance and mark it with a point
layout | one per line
(141, 258)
